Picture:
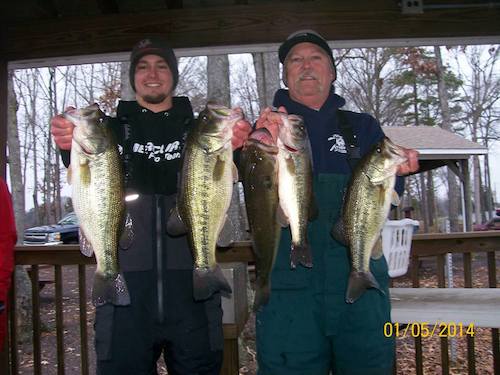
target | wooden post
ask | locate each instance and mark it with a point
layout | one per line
(3, 117)
(464, 164)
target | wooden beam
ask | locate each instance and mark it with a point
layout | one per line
(108, 6)
(467, 194)
(432, 244)
(243, 24)
(173, 4)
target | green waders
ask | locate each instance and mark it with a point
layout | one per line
(307, 328)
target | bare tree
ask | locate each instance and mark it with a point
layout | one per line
(193, 81)
(244, 88)
(478, 68)
(453, 188)
(267, 74)
(218, 89)
(126, 92)
(14, 158)
(23, 285)
(366, 78)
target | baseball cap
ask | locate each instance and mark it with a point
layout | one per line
(304, 36)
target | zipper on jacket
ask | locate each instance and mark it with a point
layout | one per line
(159, 257)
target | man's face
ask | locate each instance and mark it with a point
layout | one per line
(309, 72)
(153, 79)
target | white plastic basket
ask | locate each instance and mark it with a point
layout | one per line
(396, 244)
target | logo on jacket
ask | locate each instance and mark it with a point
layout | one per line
(161, 152)
(338, 144)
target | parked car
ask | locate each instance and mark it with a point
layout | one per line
(492, 224)
(64, 232)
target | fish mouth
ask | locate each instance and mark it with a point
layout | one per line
(224, 112)
(91, 146)
(262, 135)
(291, 149)
(293, 133)
(262, 138)
(87, 111)
(396, 150)
(90, 112)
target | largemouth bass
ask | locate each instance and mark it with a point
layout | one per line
(97, 181)
(260, 183)
(367, 202)
(206, 186)
(295, 185)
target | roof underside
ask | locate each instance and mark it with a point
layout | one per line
(50, 28)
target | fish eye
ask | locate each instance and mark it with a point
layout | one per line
(204, 118)
(379, 150)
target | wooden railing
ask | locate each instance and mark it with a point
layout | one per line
(425, 246)
(471, 245)
(36, 257)
(56, 256)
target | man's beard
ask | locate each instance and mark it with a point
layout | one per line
(154, 99)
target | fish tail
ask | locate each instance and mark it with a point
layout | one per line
(300, 254)
(208, 281)
(262, 294)
(110, 290)
(358, 283)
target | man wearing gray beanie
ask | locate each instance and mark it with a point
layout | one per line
(162, 318)
(153, 46)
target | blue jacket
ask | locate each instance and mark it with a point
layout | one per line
(327, 143)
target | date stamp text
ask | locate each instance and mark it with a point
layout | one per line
(426, 329)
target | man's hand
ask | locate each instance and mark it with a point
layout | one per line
(411, 164)
(271, 120)
(241, 131)
(62, 130)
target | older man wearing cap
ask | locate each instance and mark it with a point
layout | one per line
(162, 316)
(307, 327)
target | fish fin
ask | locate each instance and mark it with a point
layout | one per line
(377, 250)
(338, 232)
(225, 238)
(290, 165)
(375, 181)
(219, 167)
(262, 294)
(175, 225)
(313, 209)
(110, 290)
(395, 201)
(85, 178)
(128, 235)
(300, 254)
(85, 245)
(208, 281)
(283, 220)
(358, 283)
(236, 176)
(69, 174)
